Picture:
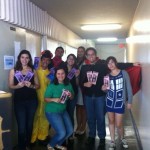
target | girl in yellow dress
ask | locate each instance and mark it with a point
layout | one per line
(41, 125)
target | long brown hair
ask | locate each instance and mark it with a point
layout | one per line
(18, 65)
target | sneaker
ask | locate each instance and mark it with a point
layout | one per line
(49, 147)
(112, 145)
(124, 143)
(81, 132)
(77, 132)
(90, 141)
(102, 142)
(58, 147)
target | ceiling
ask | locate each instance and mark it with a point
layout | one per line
(74, 13)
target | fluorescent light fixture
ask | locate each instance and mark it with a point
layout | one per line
(110, 39)
(101, 27)
(143, 26)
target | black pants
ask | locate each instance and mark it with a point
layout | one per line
(25, 111)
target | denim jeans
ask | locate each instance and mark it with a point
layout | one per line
(25, 111)
(71, 104)
(95, 109)
(62, 125)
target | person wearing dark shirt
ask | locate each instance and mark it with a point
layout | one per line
(25, 98)
(73, 74)
(94, 96)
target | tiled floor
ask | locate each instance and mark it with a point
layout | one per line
(79, 142)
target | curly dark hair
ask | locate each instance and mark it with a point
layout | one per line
(66, 80)
(18, 65)
(46, 54)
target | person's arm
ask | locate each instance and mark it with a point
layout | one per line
(49, 93)
(11, 81)
(36, 81)
(77, 76)
(71, 92)
(128, 88)
(57, 100)
(123, 66)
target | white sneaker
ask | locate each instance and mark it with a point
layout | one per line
(60, 147)
(112, 145)
(124, 143)
(49, 147)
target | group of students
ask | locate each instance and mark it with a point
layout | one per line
(53, 91)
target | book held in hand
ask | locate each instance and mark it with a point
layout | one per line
(92, 77)
(28, 76)
(36, 62)
(71, 74)
(64, 96)
(107, 82)
(19, 76)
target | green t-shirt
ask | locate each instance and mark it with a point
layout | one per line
(55, 91)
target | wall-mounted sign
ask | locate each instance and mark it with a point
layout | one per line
(8, 62)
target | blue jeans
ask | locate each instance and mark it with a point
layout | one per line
(71, 104)
(95, 109)
(62, 126)
(25, 111)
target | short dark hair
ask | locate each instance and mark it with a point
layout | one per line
(113, 59)
(60, 47)
(91, 48)
(66, 80)
(81, 47)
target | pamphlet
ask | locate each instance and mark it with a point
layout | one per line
(64, 96)
(107, 82)
(71, 73)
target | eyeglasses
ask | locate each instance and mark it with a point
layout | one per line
(89, 55)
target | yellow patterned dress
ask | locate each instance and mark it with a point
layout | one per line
(41, 125)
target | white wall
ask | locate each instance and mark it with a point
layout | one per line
(104, 51)
(141, 52)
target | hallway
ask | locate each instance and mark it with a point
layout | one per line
(79, 142)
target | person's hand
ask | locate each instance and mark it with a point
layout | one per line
(21, 84)
(27, 83)
(136, 64)
(57, 100)
(69, 95)
(88, 84)
(104, 87)
(129, 106)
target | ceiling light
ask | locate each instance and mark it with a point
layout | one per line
(110, 39)
(101, 27)
(138, 39)
(143, 26)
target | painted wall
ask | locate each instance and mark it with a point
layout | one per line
(25, 40)
(104, 51)
(139, 50)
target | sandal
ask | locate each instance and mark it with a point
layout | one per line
(58, 147)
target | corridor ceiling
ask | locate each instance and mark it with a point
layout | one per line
(75, 13)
